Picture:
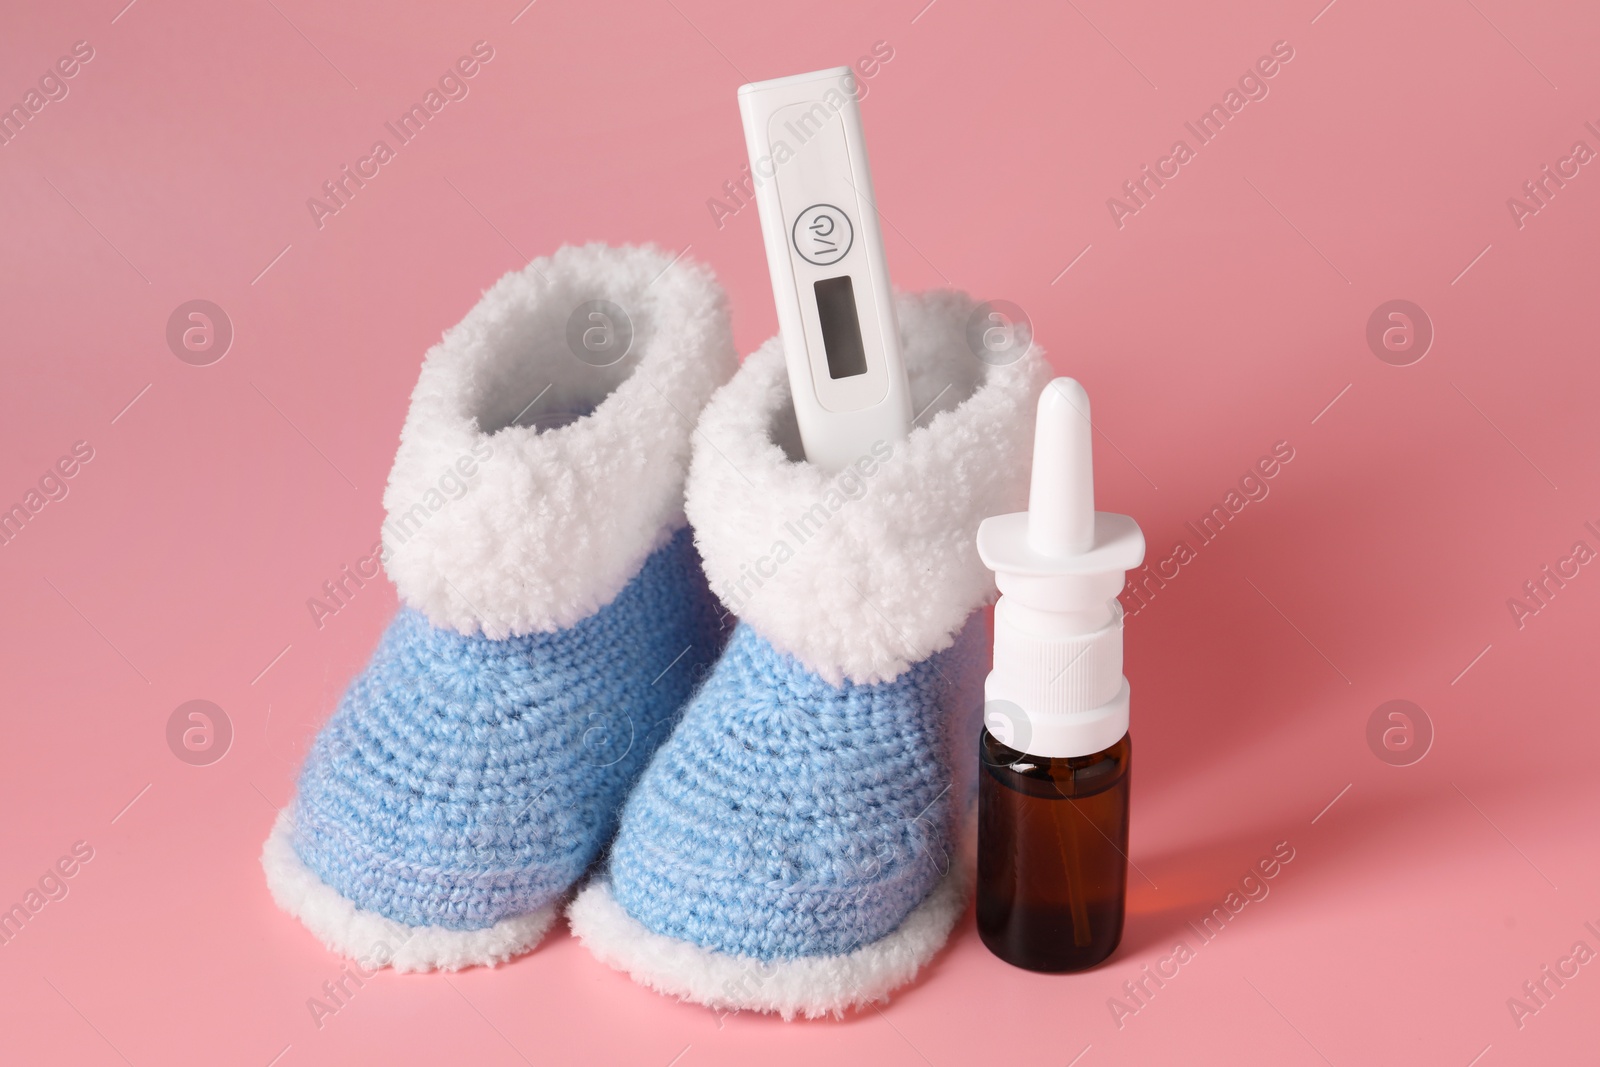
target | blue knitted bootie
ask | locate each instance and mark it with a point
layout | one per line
(792, 847)
(554, 617)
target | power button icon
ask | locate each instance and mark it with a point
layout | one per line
(823, 234)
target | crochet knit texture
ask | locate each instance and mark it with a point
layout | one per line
(463, 779)
(788, 817)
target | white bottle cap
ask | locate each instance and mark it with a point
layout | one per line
(1057, 687)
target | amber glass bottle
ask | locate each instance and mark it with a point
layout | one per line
(1052, 855)
(1055, 754)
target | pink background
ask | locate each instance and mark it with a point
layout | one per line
(1223, 317)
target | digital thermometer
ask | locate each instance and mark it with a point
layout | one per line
(819, 221)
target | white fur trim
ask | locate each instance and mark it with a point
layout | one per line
(549, 527)
(887, 579)
(374, 941)
(813, 987)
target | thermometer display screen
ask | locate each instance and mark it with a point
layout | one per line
(841, 327)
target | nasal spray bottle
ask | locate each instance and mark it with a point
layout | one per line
(819, 220)
(1055, 753)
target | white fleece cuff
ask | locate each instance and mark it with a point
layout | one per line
(495, 526)
(862, 573)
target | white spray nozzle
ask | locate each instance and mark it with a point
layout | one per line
(1061, 535)
(1059, 566)
(1061, 497)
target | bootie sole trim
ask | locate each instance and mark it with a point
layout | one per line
(374, 941)
(810, 986)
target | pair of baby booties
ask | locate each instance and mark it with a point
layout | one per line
(776, 799)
